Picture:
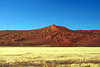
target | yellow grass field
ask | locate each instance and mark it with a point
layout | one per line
(49, 56)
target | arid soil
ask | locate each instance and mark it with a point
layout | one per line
(54, 36)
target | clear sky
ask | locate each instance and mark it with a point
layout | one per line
(35, 14)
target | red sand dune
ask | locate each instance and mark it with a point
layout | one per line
(55, 36)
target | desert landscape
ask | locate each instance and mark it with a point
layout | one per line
(51, 46)
(53, 35)
(49, 33)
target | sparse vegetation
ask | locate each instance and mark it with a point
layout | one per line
(53, 34)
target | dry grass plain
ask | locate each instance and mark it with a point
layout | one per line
(49, 56)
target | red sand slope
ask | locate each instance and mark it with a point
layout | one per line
(50, 36)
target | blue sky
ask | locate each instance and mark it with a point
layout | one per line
(35, 14)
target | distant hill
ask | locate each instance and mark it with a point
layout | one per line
(53, 36)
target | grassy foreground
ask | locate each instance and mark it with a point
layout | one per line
(49, 56)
